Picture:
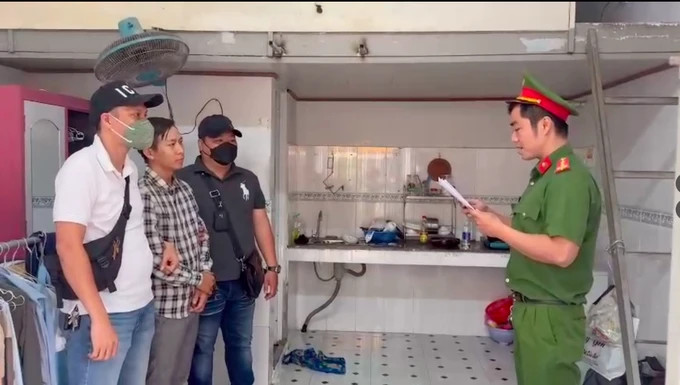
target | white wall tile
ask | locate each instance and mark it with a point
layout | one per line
(502, 172)
(339, 218)
(367, 212)
(395, 212)
(342, 313)
(345, 168)
(371, 166)
(395, 175)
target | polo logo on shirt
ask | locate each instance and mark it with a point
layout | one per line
(246, 193)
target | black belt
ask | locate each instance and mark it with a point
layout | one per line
(519, 297)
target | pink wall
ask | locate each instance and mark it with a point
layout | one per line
(12, 152)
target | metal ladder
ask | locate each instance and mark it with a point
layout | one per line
(617, 248)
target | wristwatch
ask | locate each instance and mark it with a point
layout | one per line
(276, 269)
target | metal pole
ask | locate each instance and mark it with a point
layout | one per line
(644, 174)
(642, 101)
(617, 249)
(9, 245)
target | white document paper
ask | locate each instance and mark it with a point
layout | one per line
(452, 190)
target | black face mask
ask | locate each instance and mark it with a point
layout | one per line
(224, 154)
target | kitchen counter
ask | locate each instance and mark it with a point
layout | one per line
(409, 253)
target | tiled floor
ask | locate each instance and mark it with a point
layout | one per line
(408, 359)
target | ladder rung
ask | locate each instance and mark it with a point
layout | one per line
(650, 253)
(642, 101)
(651, 342)
(644, 174)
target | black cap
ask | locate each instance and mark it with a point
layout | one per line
(118, 94)
(215, 125)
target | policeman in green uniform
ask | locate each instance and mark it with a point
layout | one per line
(552, 235)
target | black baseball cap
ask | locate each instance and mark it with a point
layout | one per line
(118, 94)
(215, 125)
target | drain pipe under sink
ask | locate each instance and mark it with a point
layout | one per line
(339, 271)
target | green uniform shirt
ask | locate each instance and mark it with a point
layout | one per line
(559, 204)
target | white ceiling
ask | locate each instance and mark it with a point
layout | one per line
(485, 77)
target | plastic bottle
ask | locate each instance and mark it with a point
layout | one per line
(423, 231)
(465, 241)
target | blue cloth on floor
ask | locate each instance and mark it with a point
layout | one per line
(315, 361)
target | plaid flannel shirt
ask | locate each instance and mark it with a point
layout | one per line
(171, 215)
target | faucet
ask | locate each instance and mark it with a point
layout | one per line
(317, 236)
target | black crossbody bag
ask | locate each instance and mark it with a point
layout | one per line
(252, 272)
(105, 254)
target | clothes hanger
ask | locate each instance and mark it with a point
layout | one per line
(23, 274)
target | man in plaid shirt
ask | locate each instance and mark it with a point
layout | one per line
(173, 225)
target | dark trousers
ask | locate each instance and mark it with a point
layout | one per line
(230, 310)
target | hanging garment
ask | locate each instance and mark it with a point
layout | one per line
(30, 338)
(315, 361)
(12, 360)
(2, 356)
(46, 303)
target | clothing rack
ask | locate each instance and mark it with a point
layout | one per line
(25, 242)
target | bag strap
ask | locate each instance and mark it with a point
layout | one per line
(127, 208)
(219, 205)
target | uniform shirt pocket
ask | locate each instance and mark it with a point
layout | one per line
(527, 217)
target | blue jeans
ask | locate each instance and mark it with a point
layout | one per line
(231, 310)
(135, 331)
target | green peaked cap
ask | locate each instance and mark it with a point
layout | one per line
(531, 82)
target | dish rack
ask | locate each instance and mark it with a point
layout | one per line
(431, 199)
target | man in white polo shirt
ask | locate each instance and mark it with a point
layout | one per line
(112, 340)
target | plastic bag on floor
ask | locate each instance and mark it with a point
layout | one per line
(315, 361)
(603, 351)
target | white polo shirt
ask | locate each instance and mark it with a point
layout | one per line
(90, 191)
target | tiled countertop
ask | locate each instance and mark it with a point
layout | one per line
(410, 253)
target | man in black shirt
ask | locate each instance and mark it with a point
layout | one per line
(229, 308)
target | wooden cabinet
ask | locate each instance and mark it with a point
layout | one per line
(38, 130)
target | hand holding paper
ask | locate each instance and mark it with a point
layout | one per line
(452, 190)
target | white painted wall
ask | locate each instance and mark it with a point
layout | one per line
(248, 102)
(294, 16)
(10, 75)
(412, 124)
